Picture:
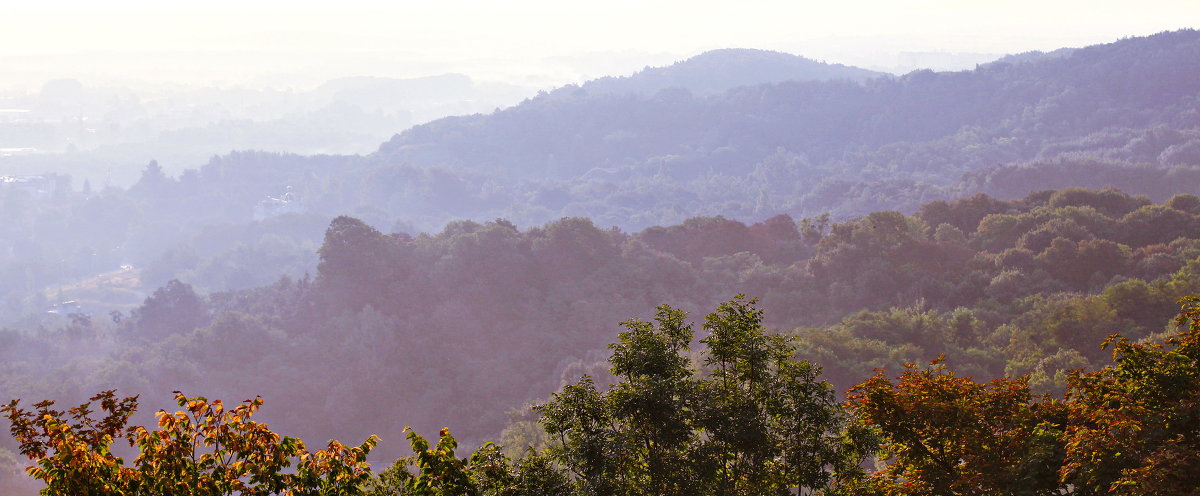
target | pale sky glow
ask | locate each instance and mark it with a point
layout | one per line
(226, 41)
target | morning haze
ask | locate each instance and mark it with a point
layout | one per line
(446, 216)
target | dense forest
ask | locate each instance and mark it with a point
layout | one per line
(803, 147)
(463, 327)
(742, 417)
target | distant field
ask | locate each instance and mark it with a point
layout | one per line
(103, 293)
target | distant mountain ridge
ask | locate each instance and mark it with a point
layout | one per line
(717, 71)
(1033, 56)
(1012, 107)
(1123, 114)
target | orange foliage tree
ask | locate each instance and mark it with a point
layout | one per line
(204, 449)
(1135, 426)
(945, 434)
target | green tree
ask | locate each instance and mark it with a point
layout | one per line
(769, 420)
(654, 401)
(747, 419)
(436, 471)
(586, 438)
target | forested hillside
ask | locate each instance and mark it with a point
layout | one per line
(620, 154)
(478, 265)
(849, 148)
(738, 415)
(718, 71)
(456, 329)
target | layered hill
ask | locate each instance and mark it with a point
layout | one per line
(669, 143)
(377, 321)
(457, 328)
(654, 148)
(926, 128)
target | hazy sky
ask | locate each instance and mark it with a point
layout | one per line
(528, 41)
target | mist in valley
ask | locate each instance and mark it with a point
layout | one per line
(381, 228)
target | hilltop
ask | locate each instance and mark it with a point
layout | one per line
(717, 71)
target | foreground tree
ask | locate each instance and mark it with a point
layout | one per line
(949, 435)
(1135, 426)
(202, 450)
(740, 417)
(434, 470)
(1130, 428)
(770, 423)
(749, 419)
